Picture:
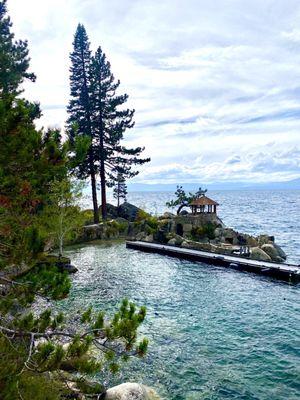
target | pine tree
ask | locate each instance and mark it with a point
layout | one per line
(79, 109)
(38, 347)
(14, 60)
(120, 189)
(110, 120)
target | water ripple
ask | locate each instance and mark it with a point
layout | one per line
(214, 333)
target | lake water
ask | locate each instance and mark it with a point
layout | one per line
(214, 333)
(255, 212)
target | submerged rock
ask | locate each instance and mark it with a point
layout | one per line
(131, 391)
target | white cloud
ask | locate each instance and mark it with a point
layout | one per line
(216, 89)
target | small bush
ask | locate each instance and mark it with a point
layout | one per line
(207, 230)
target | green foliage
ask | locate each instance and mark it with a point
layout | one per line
(142, 216)
(62, 216)
(183, 199)
(120, 189)
(88, 217)
(142, 347)
(49, 281)
(150, 223)
(14, 60)
(99, 322)
(89, 388)
(204, 231)
(14, 384)
(86, 316)
(122, 227)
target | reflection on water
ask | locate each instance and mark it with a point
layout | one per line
(214, 333)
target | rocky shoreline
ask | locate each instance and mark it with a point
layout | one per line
(204, 232)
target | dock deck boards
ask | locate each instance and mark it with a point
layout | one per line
(279, 270)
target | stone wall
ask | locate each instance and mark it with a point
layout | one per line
(183, 224)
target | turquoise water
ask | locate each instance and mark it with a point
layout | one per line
(214, 333)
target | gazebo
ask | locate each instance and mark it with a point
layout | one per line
(203, 204)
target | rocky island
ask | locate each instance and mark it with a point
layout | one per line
(200, 229)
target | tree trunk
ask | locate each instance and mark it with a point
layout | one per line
(180, 208)
(102, 169)
(103, 190)
(91, 159)
(60, 247)
(94, 192)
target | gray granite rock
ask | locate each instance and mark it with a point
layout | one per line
(131, 391)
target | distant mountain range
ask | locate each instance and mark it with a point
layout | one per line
(171, 187)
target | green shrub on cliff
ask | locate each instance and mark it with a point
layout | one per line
(204, 231)
(149, 222)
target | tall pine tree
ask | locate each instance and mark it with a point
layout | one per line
(97, 111)
(80, 111)
(110, 120)
(120, 189)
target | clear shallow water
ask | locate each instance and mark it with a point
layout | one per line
(214, 333)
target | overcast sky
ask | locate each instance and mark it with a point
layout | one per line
(215, 83)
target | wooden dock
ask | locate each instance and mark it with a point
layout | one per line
(287, 272)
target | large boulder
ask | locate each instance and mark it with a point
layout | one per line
(191, 244)
(131, 391)
(172, 242)
(259, 254)
(250, 240)
(140, 236)
(161, 236)
(187, 228)
(273, 252)
(112, 211)
(265, 239)
(100, 231)
(167, 215)
(126, 210)
(218, 232)
(281, 253)
(230, 236)
(129, 211)
(149, 239)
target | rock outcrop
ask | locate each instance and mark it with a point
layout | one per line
(204, 231)
(131, 391)
(126, 210)
(208, 233)
(273, 252)
(259, 254)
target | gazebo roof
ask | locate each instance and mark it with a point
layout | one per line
(203, 201)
